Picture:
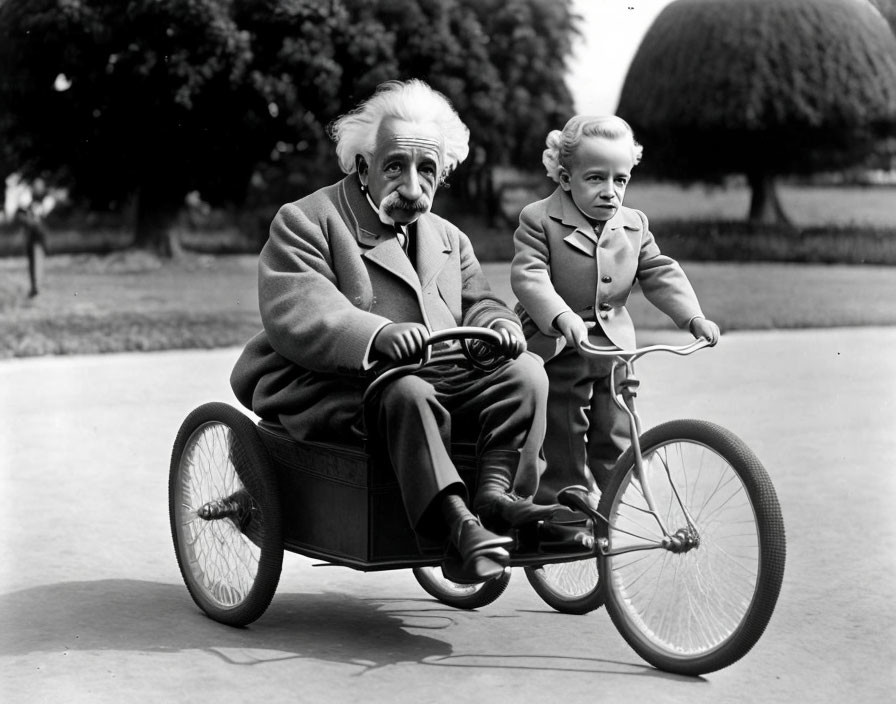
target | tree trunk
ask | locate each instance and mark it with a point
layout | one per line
(765, 208)
(158, 223)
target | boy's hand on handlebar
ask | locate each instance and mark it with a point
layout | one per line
(399, 342)
(701, 327)
(573, 328)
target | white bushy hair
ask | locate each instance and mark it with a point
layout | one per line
(562, 144)
(414, 101)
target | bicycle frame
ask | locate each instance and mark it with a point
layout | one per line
(625, 399)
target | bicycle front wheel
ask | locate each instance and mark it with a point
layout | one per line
(691, 586)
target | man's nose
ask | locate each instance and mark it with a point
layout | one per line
(410, 185)
(607, 190)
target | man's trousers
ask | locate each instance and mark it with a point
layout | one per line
(419, 415)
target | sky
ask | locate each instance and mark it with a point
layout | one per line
(612, 31)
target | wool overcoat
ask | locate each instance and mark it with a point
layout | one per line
(330, 276)
(561, 264)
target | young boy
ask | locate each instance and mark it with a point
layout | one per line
(578, 254)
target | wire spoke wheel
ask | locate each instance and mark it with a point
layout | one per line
(568, 587)
(225, 516)
(461, 596)
(693, 586)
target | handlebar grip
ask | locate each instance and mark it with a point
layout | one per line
(465, 333)
(459, 333)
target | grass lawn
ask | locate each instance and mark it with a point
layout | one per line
(806, 206)
(126, 302)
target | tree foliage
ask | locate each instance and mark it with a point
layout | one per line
(762, 87)
(158, 98)
(888, 9)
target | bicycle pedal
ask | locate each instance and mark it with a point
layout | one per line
(566, 537)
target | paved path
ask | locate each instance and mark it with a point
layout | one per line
(92, 607)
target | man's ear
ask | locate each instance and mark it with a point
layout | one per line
(362, 168)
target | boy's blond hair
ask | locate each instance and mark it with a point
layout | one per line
(562, 144)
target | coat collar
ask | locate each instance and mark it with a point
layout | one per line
(379, 243)
(368, 229)
(561, 207)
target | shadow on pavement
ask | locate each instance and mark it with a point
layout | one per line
(124, 615)
(130, 615)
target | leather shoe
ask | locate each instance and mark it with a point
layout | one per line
(472, 541)
(508, 510)
(479, 570)
(579, 498)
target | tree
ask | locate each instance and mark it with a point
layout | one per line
(501, 62)
(153, 99)
(761, 87)
(888, 9)
(529, 43)
(157, 98)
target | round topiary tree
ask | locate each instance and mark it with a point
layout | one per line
(888, 9)
(761, 87)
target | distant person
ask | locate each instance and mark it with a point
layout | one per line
(31, 221)
(578, 253)
(358, 274)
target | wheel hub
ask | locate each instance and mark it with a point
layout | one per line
(237, 506)
(682, 540)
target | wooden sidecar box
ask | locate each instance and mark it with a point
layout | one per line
(344, 505)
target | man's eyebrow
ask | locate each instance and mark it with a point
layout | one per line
(401, 155)
(395, 156)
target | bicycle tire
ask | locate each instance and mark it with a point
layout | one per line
(735, 565)
(225, 515)
(461, 596)
(568, 587)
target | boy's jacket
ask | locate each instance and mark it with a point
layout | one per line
(561, 264)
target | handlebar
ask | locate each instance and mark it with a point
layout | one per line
(630, 356)
(486, 335)
(463, 333)
(494, 338)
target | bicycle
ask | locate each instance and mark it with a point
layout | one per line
(240, 493)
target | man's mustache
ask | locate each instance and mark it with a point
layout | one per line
(395, 201)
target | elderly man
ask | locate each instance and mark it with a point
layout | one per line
(359, 273)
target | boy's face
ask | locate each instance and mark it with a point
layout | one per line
(600, 171)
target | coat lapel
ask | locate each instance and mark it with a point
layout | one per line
(621, 220)
(378, 242)
(388, 254)
(433, 251)
(562, 209)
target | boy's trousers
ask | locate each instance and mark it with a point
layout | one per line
(586, 430)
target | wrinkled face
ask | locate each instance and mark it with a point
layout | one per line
(404, 171)
(600, 171)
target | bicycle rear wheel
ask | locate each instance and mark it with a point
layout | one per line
(461, 596)
(568, 587)
(225, 515)
(692, 588)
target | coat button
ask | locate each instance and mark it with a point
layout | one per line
(605, 306)
(606, 279)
